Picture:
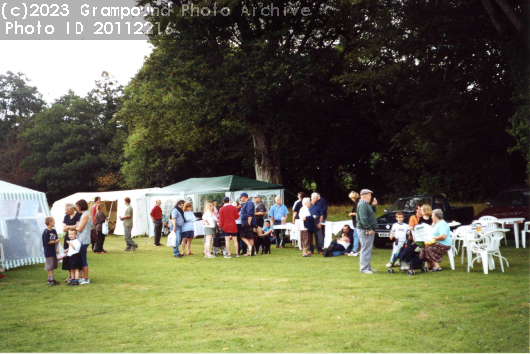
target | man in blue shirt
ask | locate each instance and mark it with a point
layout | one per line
(177, 219)
(248, 221)
(318, 214)
(276, 213)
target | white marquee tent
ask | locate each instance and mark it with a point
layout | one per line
(114, 207)
(199, 190)
(22, 214)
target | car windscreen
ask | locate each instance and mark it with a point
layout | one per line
(513, 198)
(406, 205)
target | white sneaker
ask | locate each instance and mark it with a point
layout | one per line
(84, 281)
(228, 256)
(389, 265)
(355, 254)
(367, 272)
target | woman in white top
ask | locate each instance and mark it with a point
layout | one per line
(305, 234)
(209, 219)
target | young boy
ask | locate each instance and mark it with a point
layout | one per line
(51, 247)
(267, 230)
(75, 258)
(399, 233)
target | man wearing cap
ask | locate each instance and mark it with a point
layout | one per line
(260, 210)
(248, 221)
(228, 214)
(366, 224)
(276, 213)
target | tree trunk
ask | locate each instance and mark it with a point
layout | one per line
(266, 158)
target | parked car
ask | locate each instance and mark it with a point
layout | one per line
(511, 203)
(463, 215)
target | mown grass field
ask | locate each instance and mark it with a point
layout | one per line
(148, 301)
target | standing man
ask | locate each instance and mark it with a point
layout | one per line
(93, 212)
(156, 216)
(248, 221)
(277, 212)
(366, 224)
(94, 208)
(324, 206)
(228, 214)
(260, 211)
(297, 206)
(177, 219)
(316, 211)
(127, 226)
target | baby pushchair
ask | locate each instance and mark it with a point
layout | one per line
(219, 243)
(410, 260)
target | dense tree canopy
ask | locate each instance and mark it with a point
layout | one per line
(398, 96)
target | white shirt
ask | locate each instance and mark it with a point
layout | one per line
(344, 243)
(400, 231)
(304, 213)
(77, 246)
(208, 216)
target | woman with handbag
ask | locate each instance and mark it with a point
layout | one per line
(99, 220)
(307, 226)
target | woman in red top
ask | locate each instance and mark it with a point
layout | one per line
(228, 214)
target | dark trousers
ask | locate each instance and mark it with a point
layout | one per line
(278, 233)
(158, 231)
(319, 239)
(242, 245)
(260, 221)
(101, 241)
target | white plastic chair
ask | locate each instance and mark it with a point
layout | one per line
(526, 229)
(451, 256)
(492, 226)
(459, 237)
(486, 247)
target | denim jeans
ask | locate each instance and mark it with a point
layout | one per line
(355, 240)
(178, 233)
(338, 253)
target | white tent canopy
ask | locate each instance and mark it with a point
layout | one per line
(22, 214)
(199, 190)
(138, 202)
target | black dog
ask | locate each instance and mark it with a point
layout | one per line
(264, 242)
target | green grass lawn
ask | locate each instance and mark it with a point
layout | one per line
(148, 301)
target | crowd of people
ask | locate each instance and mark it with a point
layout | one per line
(245, 226)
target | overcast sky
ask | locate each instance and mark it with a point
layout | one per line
(56, 66)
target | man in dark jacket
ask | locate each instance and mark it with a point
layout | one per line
(366, 224)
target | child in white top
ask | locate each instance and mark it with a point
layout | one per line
(74, 246)
(399, 233)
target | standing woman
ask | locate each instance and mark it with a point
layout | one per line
(209, 219)
(83, 235)
(70, 220)
(307, 219)
(99, 220)
(187, 229)
(354, 196)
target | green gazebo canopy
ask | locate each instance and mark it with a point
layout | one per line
(217, 184)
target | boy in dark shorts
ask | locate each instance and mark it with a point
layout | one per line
(50, 241)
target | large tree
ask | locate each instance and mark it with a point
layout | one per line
(72, 144)
(19, 102)
(269, 75)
